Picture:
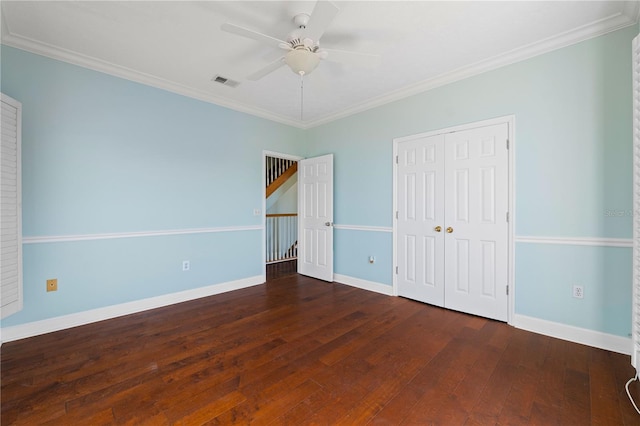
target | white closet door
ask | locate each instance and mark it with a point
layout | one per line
(315, 217)
(420, 182)
(476, 205)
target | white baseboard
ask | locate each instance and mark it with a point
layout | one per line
(49, 325)
(364, 284)
(583, 336)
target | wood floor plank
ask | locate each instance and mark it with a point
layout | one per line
(604, 392)
(576, 397)
(225, 394)
(389, 384)
(437, 404)
(363, 335)
(427, 379)
(211, 410)
(494, 394)
(300, 351)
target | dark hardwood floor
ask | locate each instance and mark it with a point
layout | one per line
(281, 269)
(298, 351)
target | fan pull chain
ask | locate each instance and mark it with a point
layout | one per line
(301, 95)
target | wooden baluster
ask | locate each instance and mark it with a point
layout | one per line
(272, 242)
(275, 238)
(279, 239)
(268, 238)
(295, 240)
(287, 238)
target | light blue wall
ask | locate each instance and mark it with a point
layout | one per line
(573, 166)
(353, 250)
(105, 155)
(545, 274)
(98, 273)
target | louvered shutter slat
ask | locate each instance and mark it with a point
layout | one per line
(10, 212)
(635, 353)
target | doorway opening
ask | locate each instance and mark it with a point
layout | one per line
(280, 245)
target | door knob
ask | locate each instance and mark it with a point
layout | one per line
(438, 228)
(328, 224)
(449, 230)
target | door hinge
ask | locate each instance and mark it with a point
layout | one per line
(507, 216)
(396, 159)
(507, 290)
(396, 214)
(396, 270)
(507, 143)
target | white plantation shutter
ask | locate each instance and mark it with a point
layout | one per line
(10, 207)
(635, 320)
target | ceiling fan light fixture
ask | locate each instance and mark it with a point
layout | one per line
(301, 61)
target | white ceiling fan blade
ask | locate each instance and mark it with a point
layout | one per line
(254, 35)
(266, 70)
(321, 17)
(351, 58)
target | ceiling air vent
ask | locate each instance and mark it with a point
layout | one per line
(224, 80)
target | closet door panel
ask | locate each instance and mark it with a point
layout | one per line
(476, 204)
(420, 193)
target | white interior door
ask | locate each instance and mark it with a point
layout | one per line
(452, 230)
(315, 217)
(420, 219)
(476, 206)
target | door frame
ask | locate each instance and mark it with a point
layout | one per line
(510, 120)
(263, 209)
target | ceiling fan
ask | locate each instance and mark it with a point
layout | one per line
(303, 43)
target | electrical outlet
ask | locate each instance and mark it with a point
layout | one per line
(256, 212)
(52, 284)
(578, 291)
(186, 265)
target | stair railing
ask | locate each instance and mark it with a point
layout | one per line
(282, 237)
(276, 167)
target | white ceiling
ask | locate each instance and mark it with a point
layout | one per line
(178, 46)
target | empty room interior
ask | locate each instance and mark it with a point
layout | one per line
(320, 212)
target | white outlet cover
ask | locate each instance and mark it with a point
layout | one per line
(578, 292)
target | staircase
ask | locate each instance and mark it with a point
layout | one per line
(279, 171)
(281, 229)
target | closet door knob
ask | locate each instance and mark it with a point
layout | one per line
(449, 230)
(438, 228)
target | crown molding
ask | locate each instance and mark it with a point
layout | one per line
(629, 15)
(85, 61)
(4, 28)
(632, 10)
